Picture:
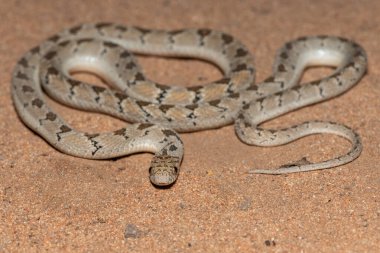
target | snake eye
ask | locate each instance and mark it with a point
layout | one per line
(150, 170)
(176, 170)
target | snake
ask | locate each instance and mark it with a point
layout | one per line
(158, 112)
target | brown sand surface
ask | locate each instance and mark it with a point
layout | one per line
(50, 201)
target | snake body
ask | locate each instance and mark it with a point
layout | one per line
(161, 110)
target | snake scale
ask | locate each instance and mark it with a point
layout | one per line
(159, 111)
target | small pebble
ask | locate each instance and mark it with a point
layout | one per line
(131, 231)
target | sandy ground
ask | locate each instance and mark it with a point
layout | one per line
(50, 201)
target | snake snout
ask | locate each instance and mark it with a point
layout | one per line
(162, 179)
(163, 170)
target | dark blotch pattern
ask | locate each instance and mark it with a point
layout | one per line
(51, 116)
(139, 77)
(343, 39)
(120, 132)
(162, 86)
(130, 65)
(52, 71)
(90, 136)
(303, 38)
(234, 95)
(284, 55)
(26, 88)
(227, 39)
(103, 25)
(225, 80)
(84, 40)
(20, 75)
(98, 89)
(195, 88)
(142, 30)
(75, 29)
(289, 46)
(241, 52)
(204, 32)
(54, 38)
(269, 80)
(23, 62)
(125, 54)
(246, 106)
(143, 126)
(253, 87)
(37, 102)
(322, 37)
(109, 44)
(93, 142)
(73, 82)
(281, 68)
(50, 55)
(121, 96)
(35, 50)
(173, 148)
(240, 67)
(215, 102)
(65, 129)
(192, 107)
(168, 133)
(165, 108)
(121, 28)
(64, 43)
(142, 103)
(176, 32)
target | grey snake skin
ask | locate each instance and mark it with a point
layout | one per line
(159, 111)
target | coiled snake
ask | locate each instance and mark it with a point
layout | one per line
(160, 110)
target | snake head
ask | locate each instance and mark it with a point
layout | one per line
(164, 170)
